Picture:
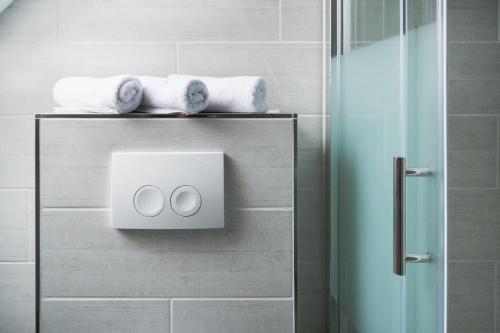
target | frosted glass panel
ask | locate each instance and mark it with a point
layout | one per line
(386, 101)
(425, 148)
(368, 117)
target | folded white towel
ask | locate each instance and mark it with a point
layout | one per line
(120, 94)
(236, 94)
(176, 93)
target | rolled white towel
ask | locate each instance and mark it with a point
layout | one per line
(114, 94)
(176, 93)
(236, 94)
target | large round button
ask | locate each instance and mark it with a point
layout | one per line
(149, 201)
(185, 200)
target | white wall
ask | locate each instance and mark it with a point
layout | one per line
(42, 40)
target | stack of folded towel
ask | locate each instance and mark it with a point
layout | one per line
(174, 94)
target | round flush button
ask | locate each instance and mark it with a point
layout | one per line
(185, 200)
(149, 201)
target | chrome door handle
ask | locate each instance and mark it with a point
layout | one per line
(400, 172)
(398, 218)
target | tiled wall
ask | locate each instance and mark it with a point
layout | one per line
(473, 157)
(42, 40)
(235, 279)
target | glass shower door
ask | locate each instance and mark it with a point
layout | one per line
(387, 102)
(425, 196)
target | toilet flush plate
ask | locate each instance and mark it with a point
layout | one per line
(167, 190)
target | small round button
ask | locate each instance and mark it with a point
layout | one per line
(149, 201)
(185, 201)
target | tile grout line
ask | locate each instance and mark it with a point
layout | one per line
(228, 209)
(170, 299)
(164, 42)
(472, 115)
(459, 42)
(473, 261)
(473, 188)
(236, 299)
(22, 116)
(17, 189)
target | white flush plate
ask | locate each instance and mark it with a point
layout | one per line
(167, 190)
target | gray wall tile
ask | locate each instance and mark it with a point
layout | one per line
(260, 175)
(32, 227)
(13, 99)
(17, 154)
(26, 23)
(174, 20)
(472, 168)
(474, 225)
(224, 316)
(310, 152)
(472, 151)
(474, 20)
(117, 263)
(14, 225)
(17, 298)
(124, 273)
(309, 132)
(471, 278)
(479, 206)
(328, 24)
(244, 231)
(480, 61)
(471, 313)
(474, 97)
(293, 71)
(35, 4)
(302, 20)
(310, 169)
(47, 62)
(31, 69)
(105, 316)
